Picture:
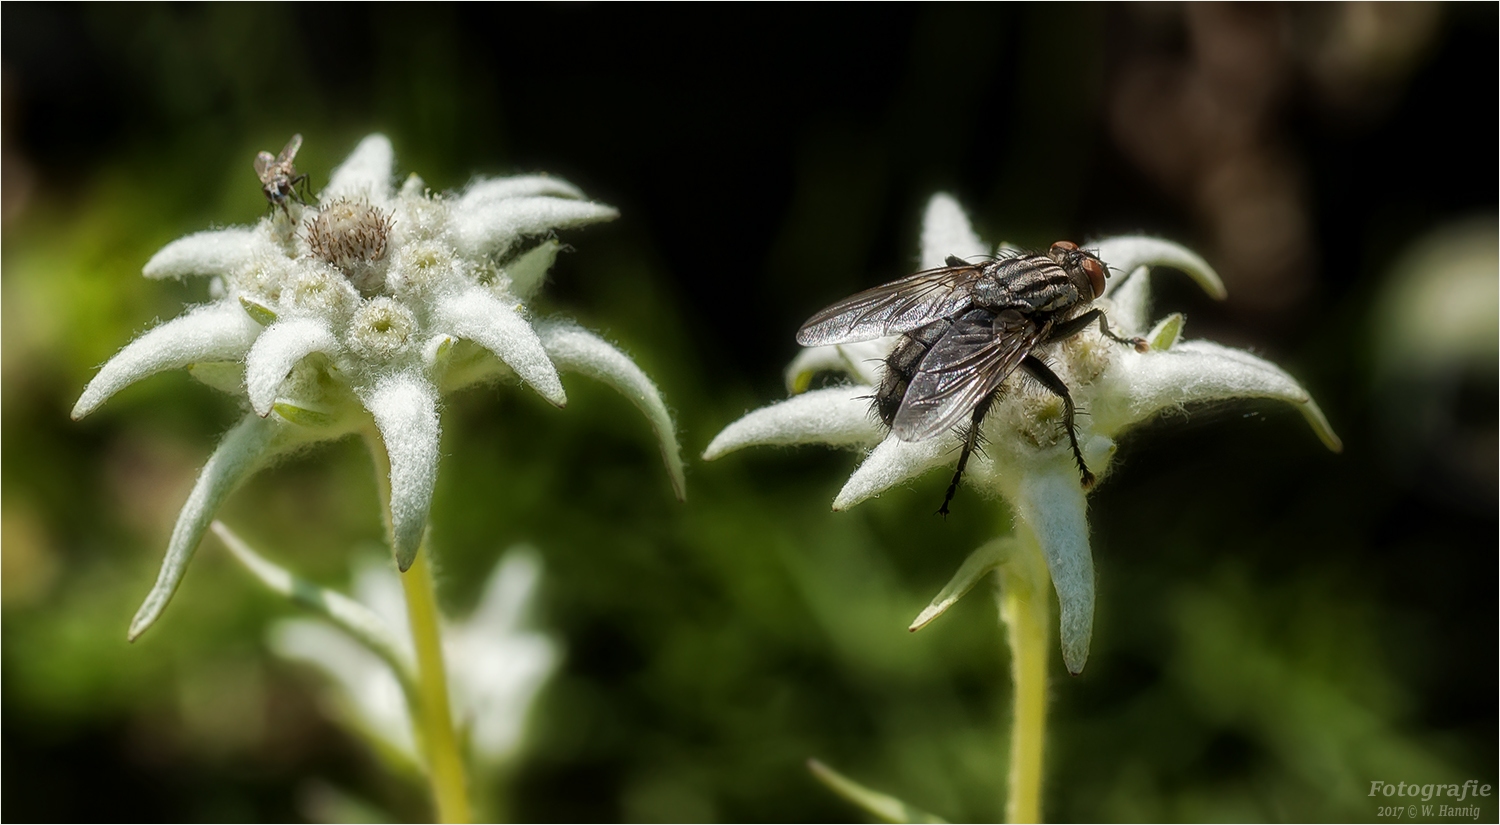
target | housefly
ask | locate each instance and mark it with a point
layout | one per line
(278, 177)
(964, 328)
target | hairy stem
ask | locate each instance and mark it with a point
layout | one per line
(445, 766)
(1025, 612)
(432, 719)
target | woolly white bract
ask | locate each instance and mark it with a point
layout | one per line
(357, 315)
(495, 665)
(1026, 458)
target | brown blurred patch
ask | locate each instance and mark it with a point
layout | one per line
(1201, 102)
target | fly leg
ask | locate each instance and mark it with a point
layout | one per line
(971, 443)
(302, 181)
(1068, 329)
(1041, 372)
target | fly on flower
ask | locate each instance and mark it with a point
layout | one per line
(278, 177)
(964, 329)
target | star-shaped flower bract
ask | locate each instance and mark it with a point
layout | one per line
(1026, 458)
(496, 666)
(356, 316)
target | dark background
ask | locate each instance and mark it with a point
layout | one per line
(1278, 626)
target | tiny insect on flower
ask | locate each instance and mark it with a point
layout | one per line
(278, 177)
(964, 329)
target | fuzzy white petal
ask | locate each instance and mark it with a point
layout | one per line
(279, 349)
(946, 231)
(1193, 371)
(216, 332)
(214, 252)
(497, 667)
(866, 359)
(353, 618)
(528, 270)
(1049, 502)
(892, 462)
(1131, 258)
(371, 694)
(508, 593)
(837, 416)
(477, 315)
(243, 449)
(364, 175)
(574, 348)
(979, 564)
(492, 227)
(1129, 301)
(405, 409)
(811, 361)
(521, 186)
(863, 361)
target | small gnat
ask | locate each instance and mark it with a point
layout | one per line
(278, 177)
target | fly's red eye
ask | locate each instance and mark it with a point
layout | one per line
(1064, 246)
(1094, 268)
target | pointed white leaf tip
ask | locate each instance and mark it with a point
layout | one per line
(498, 189)
(1127, 253)
(979, 564)
(216, 332)
(573, 348)
(242, 450)
(836, 416)
(405, 410)
(214, 252)
(477, 315)
(946, 231)
(279, 349)
(494, 227)
(892, 462)
(365, 175)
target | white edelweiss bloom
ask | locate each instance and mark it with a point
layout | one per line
(356, 315)
(1026, 458)
(496, 666)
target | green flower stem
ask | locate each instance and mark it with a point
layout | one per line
(1026, 613)
(444, 764)
(430, 714)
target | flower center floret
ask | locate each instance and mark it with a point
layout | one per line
(421, 267)
(352, 236)
(319, 290)
(381, 330)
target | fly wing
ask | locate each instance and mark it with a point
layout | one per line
(889, 309)
(972, 358)
(263, 162)
(290, 151)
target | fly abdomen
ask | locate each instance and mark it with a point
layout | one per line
(902, 364)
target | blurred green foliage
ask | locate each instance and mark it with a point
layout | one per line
(1277, 626)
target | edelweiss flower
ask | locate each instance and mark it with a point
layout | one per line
(357, 315)
(495, 666)
(1026, 457)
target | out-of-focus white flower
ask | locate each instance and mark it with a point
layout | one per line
(495, 665)
(1026, 457)
(357, 315)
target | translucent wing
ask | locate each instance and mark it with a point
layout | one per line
(263, 163)
(899, 306)
(966, 364)
(291, 149)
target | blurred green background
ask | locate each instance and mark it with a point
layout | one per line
(1278, 626)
